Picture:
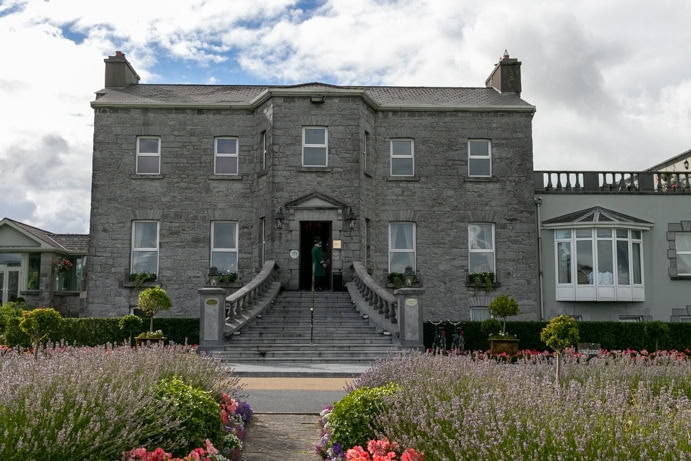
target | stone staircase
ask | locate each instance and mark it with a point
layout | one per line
(283, 334)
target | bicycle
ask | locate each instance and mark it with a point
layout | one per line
(458, 338)
(439, 341)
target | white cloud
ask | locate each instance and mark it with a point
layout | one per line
(609, 79)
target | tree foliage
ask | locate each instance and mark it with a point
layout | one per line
(151, 301)
(560, 333)
(503, 306)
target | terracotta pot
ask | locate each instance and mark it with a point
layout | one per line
(497, 346)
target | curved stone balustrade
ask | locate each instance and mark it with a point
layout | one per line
(245, 299)
(371, 298)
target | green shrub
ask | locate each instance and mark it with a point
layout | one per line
(39, 324)
(490, 327)
(199, 412)
(353, 420)
(10, 334)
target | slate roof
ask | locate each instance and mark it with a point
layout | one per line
(69, 243)
(386, 97)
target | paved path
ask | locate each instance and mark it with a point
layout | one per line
(285, 424)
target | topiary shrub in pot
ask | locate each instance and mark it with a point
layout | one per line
(152, 301)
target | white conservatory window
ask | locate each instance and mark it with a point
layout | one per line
(599, 264)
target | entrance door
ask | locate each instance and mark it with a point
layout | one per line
(309, 230)
(9, 284)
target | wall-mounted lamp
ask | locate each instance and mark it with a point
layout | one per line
(279, 218)
(409, 276)
(317, 99)
(352, 219)
(213, 276)
(686, 164)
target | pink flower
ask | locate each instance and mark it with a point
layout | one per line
(357, 454)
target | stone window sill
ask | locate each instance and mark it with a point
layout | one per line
(480, 179)
(403, 178)
(147, 176)
(226, 177)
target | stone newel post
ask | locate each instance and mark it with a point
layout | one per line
(410, 317)
(212, 317)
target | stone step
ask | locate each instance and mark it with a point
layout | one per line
(288, 332)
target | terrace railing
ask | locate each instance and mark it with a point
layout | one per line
(666, 182)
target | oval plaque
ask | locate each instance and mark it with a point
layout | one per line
(211, 302)
(411, 302)
(294, 254)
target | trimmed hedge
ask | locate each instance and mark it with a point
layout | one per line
(610, 335)
(99, 331)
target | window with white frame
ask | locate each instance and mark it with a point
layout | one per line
(262, 149)
(315, 143)
(365, 153)
(145, 239)
(481, 254)
(148, 155)
(479, 157)
(226, 156)
(479, 314)
(682, 241)
(599, 264)
(224, 247)
(401, 246)
(402, 157)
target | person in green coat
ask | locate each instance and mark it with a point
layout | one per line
(318, 265)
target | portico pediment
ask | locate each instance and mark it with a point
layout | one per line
(315, 201)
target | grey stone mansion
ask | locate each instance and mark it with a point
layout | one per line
(437, 181)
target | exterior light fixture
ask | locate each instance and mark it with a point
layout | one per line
(686, 164)
(317, 99)
(213, 276)
(352, 219)
(409, 276)
(279, 218)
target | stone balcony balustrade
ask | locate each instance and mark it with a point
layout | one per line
(615, 182)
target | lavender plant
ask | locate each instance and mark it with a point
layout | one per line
(618, 406)
(94, 403)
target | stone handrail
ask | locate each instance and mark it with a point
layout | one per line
(667, 182)
(376, 301)
(244, 298)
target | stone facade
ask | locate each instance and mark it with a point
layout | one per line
(440, 198)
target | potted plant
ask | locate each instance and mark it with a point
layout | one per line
(151, 301)
(481, 281)
(227, 278)
(503, 306)
(396, 279)
(149, 337)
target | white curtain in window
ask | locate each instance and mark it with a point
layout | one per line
(402, 236)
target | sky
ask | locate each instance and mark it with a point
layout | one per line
(611, 80)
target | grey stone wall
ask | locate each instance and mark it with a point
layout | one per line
(186, 197)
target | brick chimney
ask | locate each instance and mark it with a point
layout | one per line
(119, 72)
(506, 76)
